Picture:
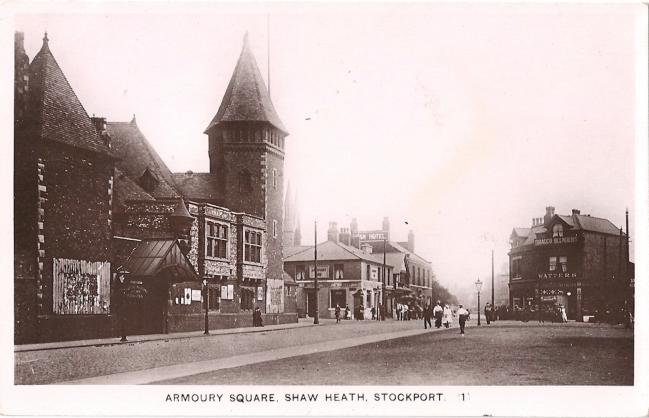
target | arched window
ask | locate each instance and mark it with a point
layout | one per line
(557, 230)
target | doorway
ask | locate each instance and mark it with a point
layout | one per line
(310, 303)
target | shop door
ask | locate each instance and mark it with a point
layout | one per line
(310, 303)
(147, 314)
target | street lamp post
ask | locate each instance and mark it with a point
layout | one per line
(383, 285)
(206, 297)
(478, 286)
(316, 319)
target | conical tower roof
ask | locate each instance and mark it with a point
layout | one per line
(247, 98)
(55, 110)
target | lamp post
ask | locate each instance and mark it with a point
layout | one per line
(206, 298)
(383, 285)
(478, 286)
(316, 319)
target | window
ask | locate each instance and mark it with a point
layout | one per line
(564, 264)
(338, 297)
(252, 250)
(553, 263)
(274, 178)
(300, 273)
(557, 231)
(516, 267)
(274, 228)
(339, 271)
(368, 272)
(214, 298)
(216, 240)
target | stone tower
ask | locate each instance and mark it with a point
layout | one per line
(246, 151)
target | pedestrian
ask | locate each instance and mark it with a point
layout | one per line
(438, 313)
(487, 312)
(405, 312)
(361, 312)
(564, 317)
(463, 316)
(448, 316)
(256, 318)
(373, 310)
(428, 312)
(399, 310)
(381, 312)
(347, 311)
(337, 313)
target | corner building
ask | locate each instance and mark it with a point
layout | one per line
(576, 260)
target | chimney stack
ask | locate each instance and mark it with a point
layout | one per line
(411, 241)
(386, 224)
(332, 232)
(549, 213)
(345, 236)
(102, 130)
(576, 212)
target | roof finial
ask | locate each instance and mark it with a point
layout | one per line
(133, 121)
(245, 39)
(45, 39)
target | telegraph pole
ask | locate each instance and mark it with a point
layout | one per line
(316, 319)
(492, 279)
(383, 284)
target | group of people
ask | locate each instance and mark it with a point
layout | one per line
(345, 313)
(443, 316)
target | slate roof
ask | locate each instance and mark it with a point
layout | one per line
(55, 110)
(334, 251)
(198, 187)
(576, 221)
(246, 98)
(522, 232)
(136, 155)
(126, 189)
(289, 251)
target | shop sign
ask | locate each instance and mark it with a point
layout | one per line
(548, 298)
(557, 275)
(556, 240)
(374, 235)
(323, 272)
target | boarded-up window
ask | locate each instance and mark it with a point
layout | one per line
(81, 287)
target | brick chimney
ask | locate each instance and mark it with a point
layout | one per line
(576, 212)
(386, 224)
(332, 232)
(411, 241)
(100, 126)
(345, 236)
(549, 213)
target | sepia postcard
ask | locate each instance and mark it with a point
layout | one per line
(325, 208)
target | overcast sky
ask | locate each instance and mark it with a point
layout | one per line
(463, 120)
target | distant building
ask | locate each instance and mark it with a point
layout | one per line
(576, 260)
(346, 276)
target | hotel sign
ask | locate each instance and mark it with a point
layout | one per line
(556, 240)
(557, 275)
(373, 235)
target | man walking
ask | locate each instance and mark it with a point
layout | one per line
(487, 312)
(337, 313)
(463, 315)
(427, 314)
(438, 313)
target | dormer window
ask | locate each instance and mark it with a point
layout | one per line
(557, 231)
(148, 180)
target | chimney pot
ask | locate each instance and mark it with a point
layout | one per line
(576, 212)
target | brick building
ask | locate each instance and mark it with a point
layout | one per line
(576, 260)
(96, 207)
(63, 185)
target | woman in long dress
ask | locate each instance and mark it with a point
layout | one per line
(564, 317)
(448, 316)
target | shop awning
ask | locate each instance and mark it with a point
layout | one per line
(160, 258)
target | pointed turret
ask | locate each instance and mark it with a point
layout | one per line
(246, 98)
(55, 110)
